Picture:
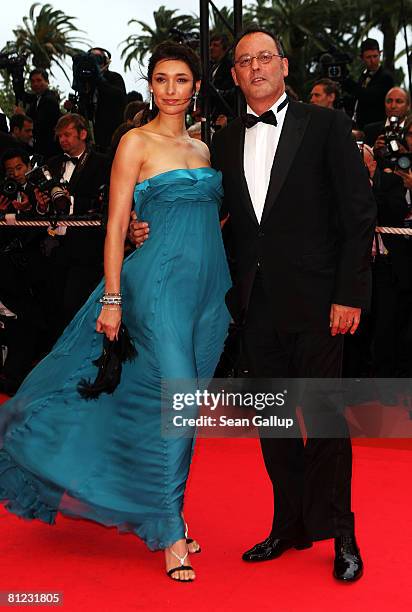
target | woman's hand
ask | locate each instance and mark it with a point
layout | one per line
(109, 321)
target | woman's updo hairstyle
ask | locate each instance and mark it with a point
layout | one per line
(170, 50)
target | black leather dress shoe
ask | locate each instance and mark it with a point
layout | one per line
(348, 565)
(271, 548)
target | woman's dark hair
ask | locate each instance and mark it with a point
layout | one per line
(170, 50)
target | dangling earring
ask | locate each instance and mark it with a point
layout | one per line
(151, 100)
(195, 102)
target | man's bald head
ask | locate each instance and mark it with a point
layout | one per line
(397, 103)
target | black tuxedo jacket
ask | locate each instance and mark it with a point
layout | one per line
(7, 142)
(45, 115)
(111, 102)
(313, 244)
(84, 185)
(371, 99)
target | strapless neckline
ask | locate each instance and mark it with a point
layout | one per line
(161, 174)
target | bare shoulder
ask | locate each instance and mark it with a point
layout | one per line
(134, 137)
(201, 148)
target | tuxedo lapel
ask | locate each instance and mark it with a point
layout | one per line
(240, 147)
(293, 130)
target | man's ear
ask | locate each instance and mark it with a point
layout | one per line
(233, 71)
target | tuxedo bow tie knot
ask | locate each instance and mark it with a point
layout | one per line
(74, 160)
(269, 117)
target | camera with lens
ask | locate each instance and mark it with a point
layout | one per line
(86, 72)
(190, 39)
(332, 64)
(14, 64)
(12, 60)
(41, 178)
(393, 155)
(9, 188)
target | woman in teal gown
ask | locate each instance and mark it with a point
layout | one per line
(106, 459)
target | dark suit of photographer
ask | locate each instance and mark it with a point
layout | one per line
(222, 91)
(392, 303)
(110, 100)
(370, 89)
(22, 275)
(42, 106)
(77, 254)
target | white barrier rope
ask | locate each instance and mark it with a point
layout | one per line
(405, 231)
(11, 220)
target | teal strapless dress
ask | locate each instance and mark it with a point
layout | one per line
(106, 459)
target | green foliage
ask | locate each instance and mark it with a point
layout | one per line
(47, 36)
(137, 46)
(7, 101)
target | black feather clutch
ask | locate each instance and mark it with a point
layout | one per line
(230, 360)
(114, 354)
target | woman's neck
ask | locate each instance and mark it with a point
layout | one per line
(173, 126)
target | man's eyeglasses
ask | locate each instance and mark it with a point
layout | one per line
(264, 57)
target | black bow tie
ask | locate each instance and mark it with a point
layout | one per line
(267, 117)
(251, 120)
(74, 160)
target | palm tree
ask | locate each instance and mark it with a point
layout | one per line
(137, 46)
(47, 37)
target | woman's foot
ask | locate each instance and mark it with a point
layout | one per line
(193, 546)
(177, 562)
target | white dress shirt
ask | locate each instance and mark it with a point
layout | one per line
(69, 168)
(261, 143)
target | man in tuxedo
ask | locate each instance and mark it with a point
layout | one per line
(302, 217)
(370, 90)
(77, 255)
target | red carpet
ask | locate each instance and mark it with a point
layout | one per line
(228, 508)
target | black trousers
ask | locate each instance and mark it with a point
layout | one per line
(312, 481)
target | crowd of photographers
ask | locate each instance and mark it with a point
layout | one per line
(56, 161)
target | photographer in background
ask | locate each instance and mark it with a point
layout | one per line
(396, 104)
(370, 90)
(16, 195)
(101, 94)
(324, 93)
(21, 128)
(42, 106)
(23, 278)
(76, 253)
(392, 298)
(222, 88)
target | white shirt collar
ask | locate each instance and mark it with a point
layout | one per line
(402, 123)
(272, 108)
